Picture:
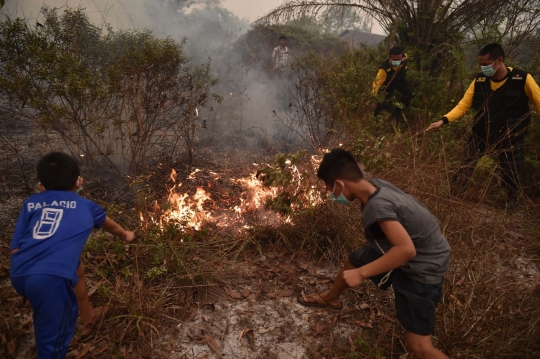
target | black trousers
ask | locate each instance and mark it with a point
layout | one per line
(405, 88)
(509, 151)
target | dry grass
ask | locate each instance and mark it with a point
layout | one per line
(490, 307)
(491, 304)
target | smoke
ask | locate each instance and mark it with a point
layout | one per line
(207, 26)
(119, 14)
(250, 97)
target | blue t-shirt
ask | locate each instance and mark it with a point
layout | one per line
(51, 232)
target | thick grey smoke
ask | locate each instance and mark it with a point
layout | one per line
(206, 25)
(210, 32)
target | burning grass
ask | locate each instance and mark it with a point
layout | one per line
(213, 272)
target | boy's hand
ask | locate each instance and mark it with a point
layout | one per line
(115, 229)
(13, 251)
(353, 277)
(129, 236)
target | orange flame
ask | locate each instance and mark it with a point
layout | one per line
(254, 196)
(186, 211)
(189, 212)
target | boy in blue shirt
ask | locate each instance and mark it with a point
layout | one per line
(51, 232)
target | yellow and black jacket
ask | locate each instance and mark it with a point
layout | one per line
(501, 106)
(390, 76)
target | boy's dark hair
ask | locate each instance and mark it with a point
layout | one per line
(58, 171)
(283, 37)
(396, 51)
(339, 164)
(494, 50)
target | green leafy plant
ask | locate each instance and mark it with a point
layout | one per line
(121, 98)
(362, 347)
(293, 176)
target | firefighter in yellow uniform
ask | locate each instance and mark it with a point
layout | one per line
(500, 95)
(392, 76)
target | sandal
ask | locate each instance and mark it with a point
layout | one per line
(321, 302)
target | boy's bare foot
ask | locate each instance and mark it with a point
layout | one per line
(95, 315)
(99, 313)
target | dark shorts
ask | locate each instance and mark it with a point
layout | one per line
(55, 312)
(415, 301)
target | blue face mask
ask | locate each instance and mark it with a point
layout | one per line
(341, 198)
(395, 63)
(489, 70)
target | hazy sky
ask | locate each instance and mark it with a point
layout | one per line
(122, 13)
(248, 9)
(251, 9)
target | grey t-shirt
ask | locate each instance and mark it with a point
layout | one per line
(389, 203)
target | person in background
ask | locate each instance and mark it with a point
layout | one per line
(280, 56)
(392, 76)
(500, 96)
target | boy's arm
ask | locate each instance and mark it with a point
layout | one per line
(402, 251)
(115, 229)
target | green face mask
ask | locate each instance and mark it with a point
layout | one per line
(341, 198)
(395, 63)
(489, 70)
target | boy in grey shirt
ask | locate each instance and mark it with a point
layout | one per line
(406, 250)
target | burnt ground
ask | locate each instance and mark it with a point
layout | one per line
(246, 308)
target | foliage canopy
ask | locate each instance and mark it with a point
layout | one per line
(121, 97)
